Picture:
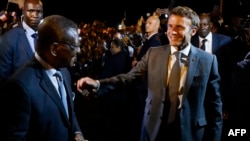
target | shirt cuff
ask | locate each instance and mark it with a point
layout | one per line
(98, 85)
(78, 132)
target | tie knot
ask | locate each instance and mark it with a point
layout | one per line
(177, 54)
(34, 35)
(204, 40)
(58, 74)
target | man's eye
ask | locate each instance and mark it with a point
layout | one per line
(32, 11)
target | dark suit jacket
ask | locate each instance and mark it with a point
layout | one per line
(201, 113)
(32, 109)
(153, 41)
(221, 45)
(15, 50)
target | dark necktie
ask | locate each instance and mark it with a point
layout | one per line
(173, 87)
(34, 36)
(203, 47)
(62, 91)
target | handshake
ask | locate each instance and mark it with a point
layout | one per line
(87, 85)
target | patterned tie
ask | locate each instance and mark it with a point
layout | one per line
(62, 91)
(173, 87)
(203, 47)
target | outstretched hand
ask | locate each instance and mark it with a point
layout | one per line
(86, 85)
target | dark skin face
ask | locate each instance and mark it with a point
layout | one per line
(205, 26)
(32, 13)
(66, 50)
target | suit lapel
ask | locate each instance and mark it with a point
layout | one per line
(50, 90)
(24, 41)
(193, 64)
(164, 68)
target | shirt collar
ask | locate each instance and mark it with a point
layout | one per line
(185, 51)
(208, 37)
(27, 29)
(48, 68)
(151, 35)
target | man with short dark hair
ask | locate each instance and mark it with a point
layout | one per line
(17, 45)
(37, 100)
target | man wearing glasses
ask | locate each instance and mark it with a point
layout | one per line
(42, 108)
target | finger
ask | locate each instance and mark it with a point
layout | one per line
(85, 92)
(79, 85)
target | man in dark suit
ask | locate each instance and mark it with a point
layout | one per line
(218, 44)
(32, 103)
(194, 111)
(152, 36)
(17, 45)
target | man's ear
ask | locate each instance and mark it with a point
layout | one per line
(53, 48)
(193, 31)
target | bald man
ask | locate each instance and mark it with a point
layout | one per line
(153, 39)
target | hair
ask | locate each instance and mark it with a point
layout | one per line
(53, 29)
(207, 15)
(118, 42)
(188, 13)
(33, 1)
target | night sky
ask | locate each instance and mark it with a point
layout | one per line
(112, 12)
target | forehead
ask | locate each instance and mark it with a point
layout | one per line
(204, 19)
(179, 20)
(150, 19)
(30, 5)
(72, 35)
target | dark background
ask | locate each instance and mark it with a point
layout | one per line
(112, 12)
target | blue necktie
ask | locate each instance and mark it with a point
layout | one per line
(62, 91)
(34, 36)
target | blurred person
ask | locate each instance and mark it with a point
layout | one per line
(116, 106)
(195, 114)
(31, 100)
(117, 35)
(14, 20)
(238, 118)
(116, 62)
(130, 47)
(3, 20)
(17, 46)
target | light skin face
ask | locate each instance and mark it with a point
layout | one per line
(205, 26)
(32, 14)
(152, 25)
(180, 31)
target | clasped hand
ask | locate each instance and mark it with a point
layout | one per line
(86, 85)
